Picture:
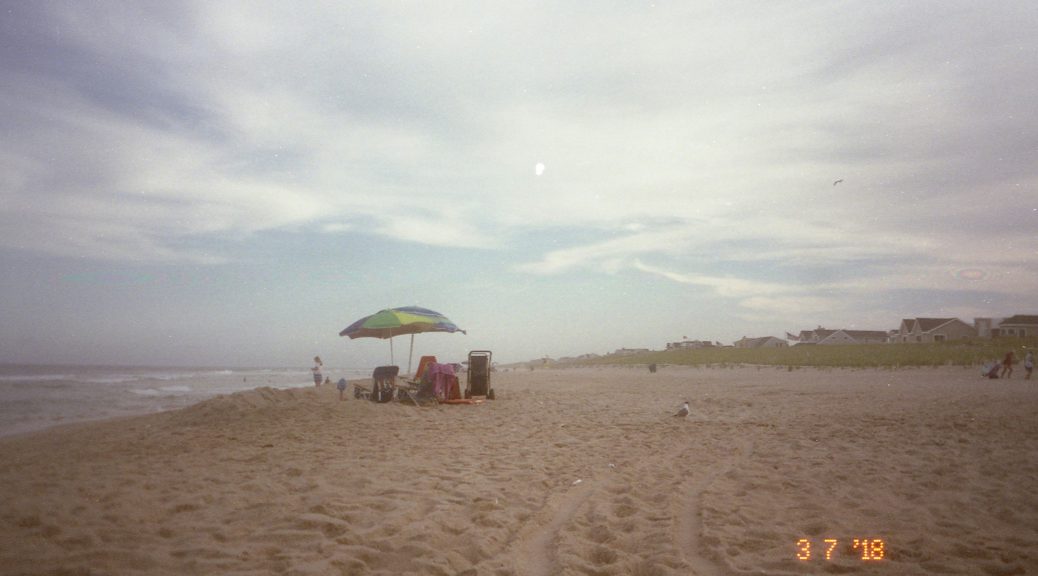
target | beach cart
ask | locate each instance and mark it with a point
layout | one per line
(478, 376)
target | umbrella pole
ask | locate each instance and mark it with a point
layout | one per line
(391, 351)
(410, 354)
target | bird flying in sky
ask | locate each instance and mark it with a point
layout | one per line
(837, 182)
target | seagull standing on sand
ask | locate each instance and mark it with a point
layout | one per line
(683, 412)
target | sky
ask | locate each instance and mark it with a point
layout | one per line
(233, 183)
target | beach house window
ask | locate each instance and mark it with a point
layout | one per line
(938, 337)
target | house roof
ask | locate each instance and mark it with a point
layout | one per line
(1020, 319)
(865, 333)
(927, 324)
(756, 342)
(823, 333)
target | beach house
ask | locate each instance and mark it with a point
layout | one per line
(918, 330)
(763, 342)
(1020, 326)
(689, 345)
(630, 351)
(823, 336)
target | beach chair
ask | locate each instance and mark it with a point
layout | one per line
(439, 383)
(383, 383)
(419, 391)
(477, 379)
(423, 363)
(413, 388)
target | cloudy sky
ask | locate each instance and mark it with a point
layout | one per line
(231, 184)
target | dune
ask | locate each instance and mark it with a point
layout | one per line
(577, 471)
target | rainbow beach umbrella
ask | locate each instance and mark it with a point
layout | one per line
(386, 324)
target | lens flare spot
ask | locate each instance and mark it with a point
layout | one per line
(971, 274)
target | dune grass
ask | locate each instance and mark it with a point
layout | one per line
(969, 353)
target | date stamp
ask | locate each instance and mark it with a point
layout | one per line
(865, 549)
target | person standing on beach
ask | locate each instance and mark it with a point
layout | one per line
(341, 385)
(1028, 364)
(1007, 365)
(318, 377)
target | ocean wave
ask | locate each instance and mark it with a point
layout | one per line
(34, 377)
(162, 391)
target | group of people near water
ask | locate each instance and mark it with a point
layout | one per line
(1004, 369)
(322, 379)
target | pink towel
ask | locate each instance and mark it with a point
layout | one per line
(441, 375)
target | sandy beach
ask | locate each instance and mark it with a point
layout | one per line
(578, 471)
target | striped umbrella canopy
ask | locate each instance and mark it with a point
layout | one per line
(396, 321)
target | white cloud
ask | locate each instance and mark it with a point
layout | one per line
(727, 123)
(728, 286)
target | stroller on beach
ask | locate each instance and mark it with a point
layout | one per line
(991, 370)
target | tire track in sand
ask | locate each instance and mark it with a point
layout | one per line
(538, 555)
(689, 524)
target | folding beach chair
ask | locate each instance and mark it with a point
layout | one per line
(383, 383)
(478, 376)
(423, 363)
(421, 390)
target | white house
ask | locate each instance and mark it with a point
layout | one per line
(1020, 326)
(689, 345)
(763, 342)
(824, 336)
(918, 330)
(630, 351)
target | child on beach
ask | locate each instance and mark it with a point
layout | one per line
(1028, 364)
(1007, 365)
(318, 377)
(341, 385)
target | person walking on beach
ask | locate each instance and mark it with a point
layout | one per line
(1028, 364)
(318, 377)
(1007, 365)
(341, 385)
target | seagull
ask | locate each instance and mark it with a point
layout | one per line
(838, 181)
(683, 412)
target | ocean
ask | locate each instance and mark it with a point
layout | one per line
(35, 397)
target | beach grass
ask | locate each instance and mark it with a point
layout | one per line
(964, 353)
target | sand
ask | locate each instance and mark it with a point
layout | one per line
(579, 471)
